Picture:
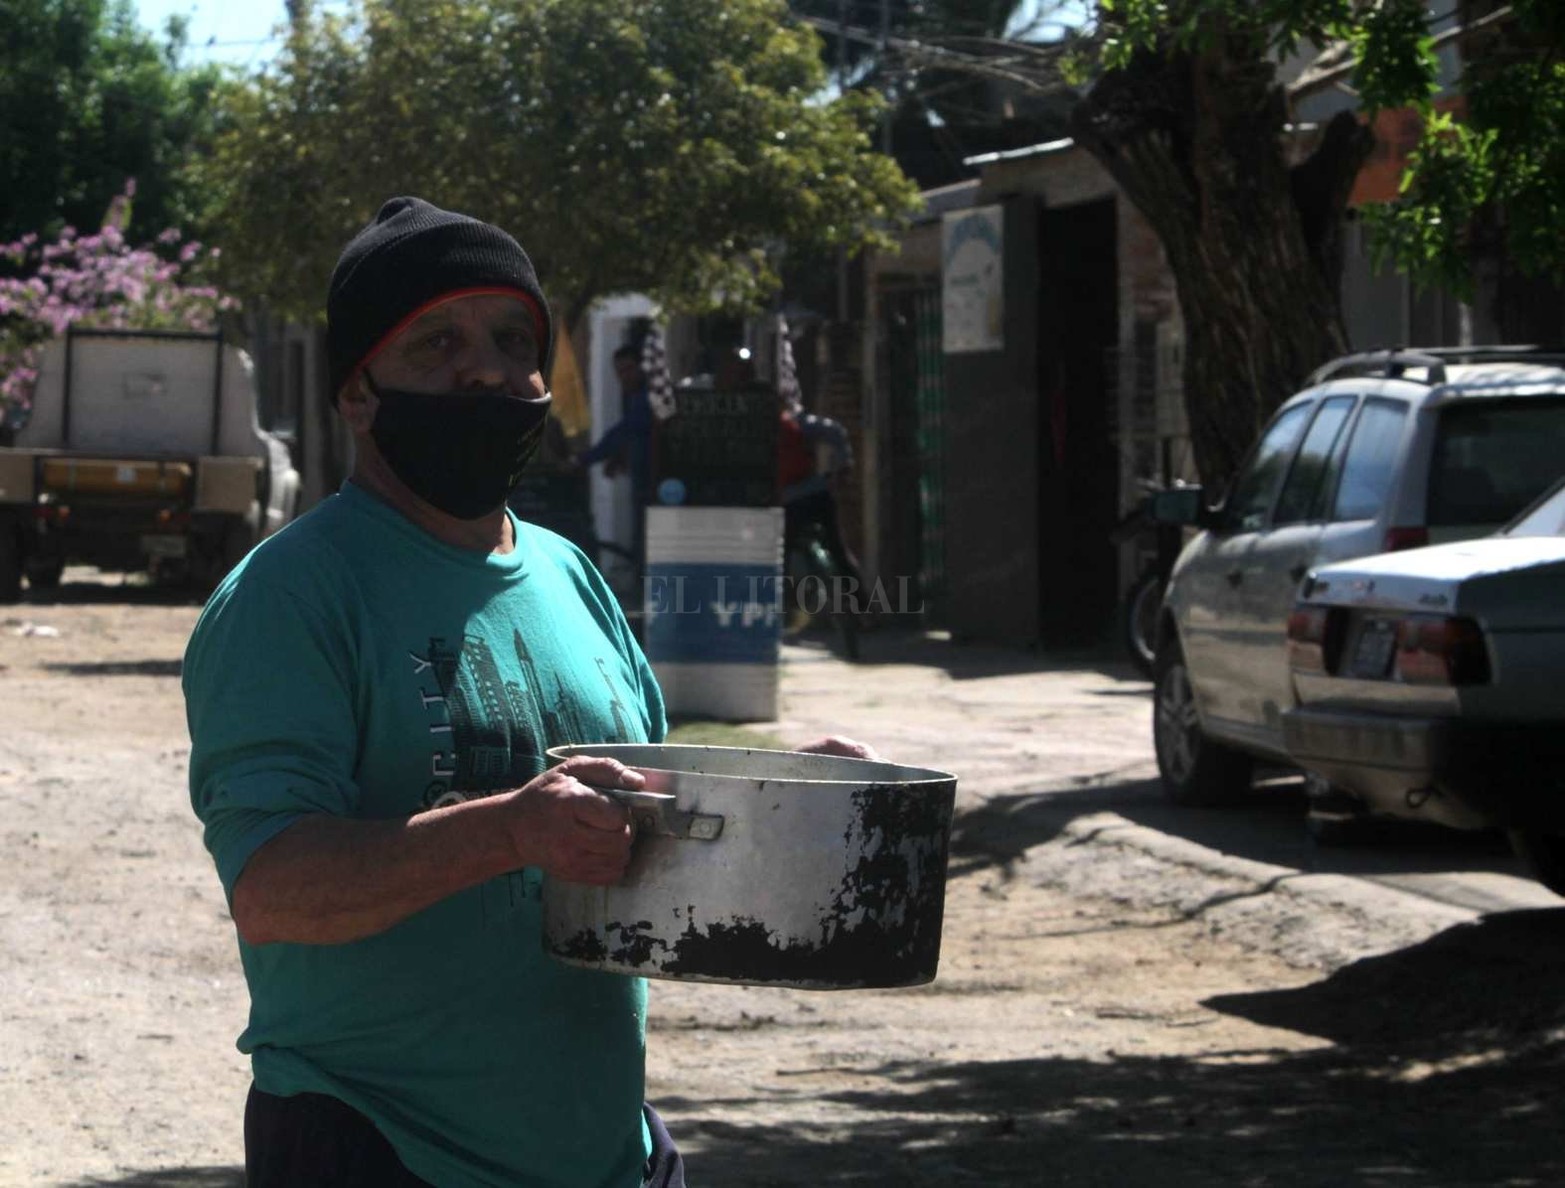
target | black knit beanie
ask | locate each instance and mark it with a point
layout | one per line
(410, 255)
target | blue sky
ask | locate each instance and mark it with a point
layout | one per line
(221, 30)
(244, 33)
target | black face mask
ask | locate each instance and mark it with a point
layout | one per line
(460, 452)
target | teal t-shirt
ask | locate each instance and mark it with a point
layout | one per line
(355, 665)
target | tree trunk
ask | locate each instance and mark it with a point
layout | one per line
(1196, 141)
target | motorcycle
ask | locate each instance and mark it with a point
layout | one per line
(1159, 545)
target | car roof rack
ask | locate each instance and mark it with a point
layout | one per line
(1393, 363)
(1388, 363)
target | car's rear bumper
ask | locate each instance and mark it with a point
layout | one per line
(1471, 775)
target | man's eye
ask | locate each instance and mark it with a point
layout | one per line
(518, 342)
(434, 341)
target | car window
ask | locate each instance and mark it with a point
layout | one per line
(1544, 518)
(1301, 497)
(1493, 458)
(1371, 460)
(1257, 483)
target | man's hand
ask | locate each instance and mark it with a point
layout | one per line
(570, 831)
(836, 744)
(328, 880)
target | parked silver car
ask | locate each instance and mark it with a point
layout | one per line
(1383, 451)
(1431, 684)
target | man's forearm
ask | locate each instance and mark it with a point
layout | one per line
(330, 880)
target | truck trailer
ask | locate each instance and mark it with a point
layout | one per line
(143, 451)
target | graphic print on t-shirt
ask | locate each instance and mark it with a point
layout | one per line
(491, 722)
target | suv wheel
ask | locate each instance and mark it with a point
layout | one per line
(10, 565)
(1195, 769)
(44, 575)
(1543, 854)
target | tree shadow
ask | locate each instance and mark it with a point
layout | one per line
(1493, 983)
(167, 1177)
(1444, 1073)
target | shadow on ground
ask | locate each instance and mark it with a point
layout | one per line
(163, 668)
(95, 588)
(1266, 826)
(888, 643)
(1443, 1073)
(168, 1177)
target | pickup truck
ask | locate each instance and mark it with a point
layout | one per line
(143, 451)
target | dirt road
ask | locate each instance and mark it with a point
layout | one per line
(1119, 1003)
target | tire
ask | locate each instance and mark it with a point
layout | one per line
(1195, 770)
(848, 630)
(1138, 621)
(816, 562)
(1543, 854)
(10, 565)
(44, 575)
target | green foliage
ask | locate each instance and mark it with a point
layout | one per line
(673, 149)
(702, 732)
(88, 100)
(1501, 166)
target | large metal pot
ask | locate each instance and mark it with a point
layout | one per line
(771, 868)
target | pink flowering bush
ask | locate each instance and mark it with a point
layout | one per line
(95, 280)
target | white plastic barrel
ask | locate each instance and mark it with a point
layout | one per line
(714, 609)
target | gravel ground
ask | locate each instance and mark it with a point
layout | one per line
(1115, 1006)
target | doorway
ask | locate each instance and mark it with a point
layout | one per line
(1078, 470)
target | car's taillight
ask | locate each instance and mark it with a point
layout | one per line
(1433, 650)
(1312, 636)
(1398, 539)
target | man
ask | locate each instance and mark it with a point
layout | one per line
(806, 489)
(370, 696)
(627, 444)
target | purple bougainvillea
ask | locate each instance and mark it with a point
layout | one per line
(95, 280)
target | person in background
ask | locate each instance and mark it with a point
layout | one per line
(806, 485)
(626, 446)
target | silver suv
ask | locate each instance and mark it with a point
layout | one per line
(1382, 451)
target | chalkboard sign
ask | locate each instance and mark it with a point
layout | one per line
(719, 449)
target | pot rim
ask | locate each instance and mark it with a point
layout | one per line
(913, 777)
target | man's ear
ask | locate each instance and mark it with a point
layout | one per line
(356, 404)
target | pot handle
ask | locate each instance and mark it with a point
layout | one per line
(654, 812)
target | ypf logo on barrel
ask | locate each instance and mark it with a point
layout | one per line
(713, 614)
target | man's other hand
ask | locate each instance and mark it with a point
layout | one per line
(836, 744)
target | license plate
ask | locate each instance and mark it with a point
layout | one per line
(1377, 643)
(164, 546)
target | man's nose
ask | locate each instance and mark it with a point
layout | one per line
(482, 364)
